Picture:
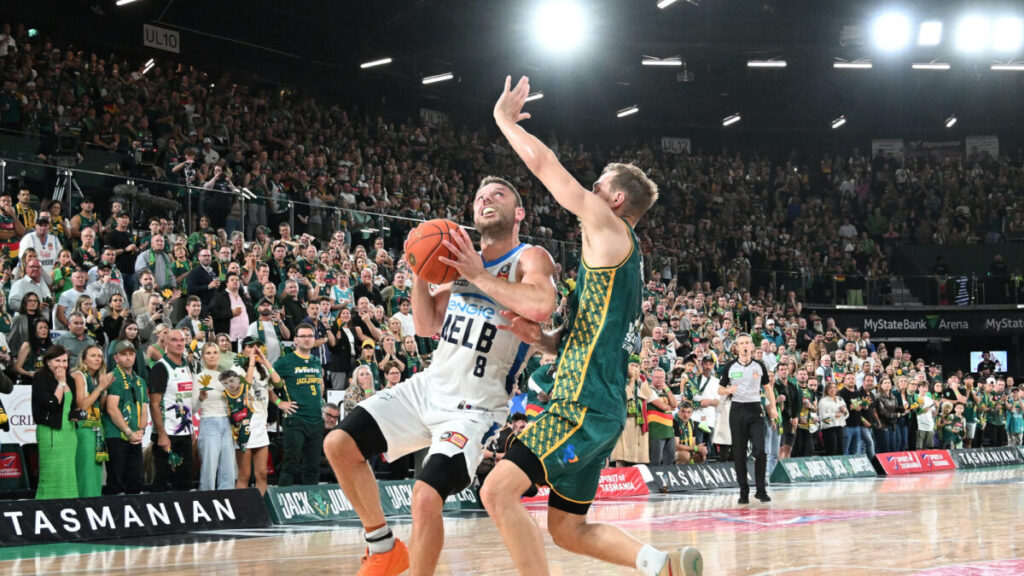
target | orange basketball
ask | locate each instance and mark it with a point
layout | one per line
(424, 247)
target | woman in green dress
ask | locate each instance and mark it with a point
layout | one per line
(91, 383)
(52, 403)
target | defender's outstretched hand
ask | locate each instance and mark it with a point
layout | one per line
(510, 104)
(525, 329)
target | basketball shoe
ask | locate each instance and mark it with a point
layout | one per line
(391, 563)
(683, 562)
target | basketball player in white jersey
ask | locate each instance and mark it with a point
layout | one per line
(461, 400)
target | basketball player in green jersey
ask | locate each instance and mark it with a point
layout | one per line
(566, 447)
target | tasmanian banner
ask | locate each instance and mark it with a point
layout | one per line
(76, 519)
(693, 477)
(987, 457)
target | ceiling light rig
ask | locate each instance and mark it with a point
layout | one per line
(534, 96)
(438, 78)
(766, 63)
(375, 63)
(839, 122)
(655, 61)
(627, 111)
(951, 121)
(930, 66)
(862, 64)
(730, 120)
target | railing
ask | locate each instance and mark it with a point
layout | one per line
(891, 290)
(145, 198)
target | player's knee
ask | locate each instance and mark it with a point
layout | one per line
(340, 446)
(496, 491)
(426, 501)
(565, 535)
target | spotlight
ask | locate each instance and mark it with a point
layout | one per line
(930, 66)
(653, 61)
(1008, 67)
(560, 25)
(891, 31)
(438, 78)
(838, 122)
(123, 2)
(730, 120)
(972, 34)
(1008, 34)
(855, 65)
(766, 63)
(666, 3)
(951, 121)
(930, 33)
(534, 96)
(373, 63)
(627, 111)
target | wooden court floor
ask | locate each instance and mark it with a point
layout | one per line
(938, 524)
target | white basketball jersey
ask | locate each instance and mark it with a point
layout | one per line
(475, 364)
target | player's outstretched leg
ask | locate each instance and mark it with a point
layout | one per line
(385, 554)
(611, 544)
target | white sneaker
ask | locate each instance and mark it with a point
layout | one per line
(683, 562)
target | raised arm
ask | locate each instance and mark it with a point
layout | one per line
(542, 162)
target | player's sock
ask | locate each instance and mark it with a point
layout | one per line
(650, 560)
(381, 540)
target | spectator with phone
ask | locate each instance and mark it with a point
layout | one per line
(268, 329)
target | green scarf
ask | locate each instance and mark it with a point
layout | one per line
(168, 275)
(261, 332)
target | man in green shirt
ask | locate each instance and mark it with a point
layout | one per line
(124, 422)
(302, 379)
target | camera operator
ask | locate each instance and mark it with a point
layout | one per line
(156, 313)
(217, 204)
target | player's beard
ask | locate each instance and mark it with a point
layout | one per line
(498, 227)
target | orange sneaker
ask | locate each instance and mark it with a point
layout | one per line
(391, 563)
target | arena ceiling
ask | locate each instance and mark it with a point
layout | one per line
(321, 43)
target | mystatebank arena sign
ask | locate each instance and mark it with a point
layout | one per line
(922, 322)
(77, 519)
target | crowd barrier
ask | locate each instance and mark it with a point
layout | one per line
(298, 504)
(79, 519)
(35, 522)
(822, 468)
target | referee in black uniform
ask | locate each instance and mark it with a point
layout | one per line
(743, 379)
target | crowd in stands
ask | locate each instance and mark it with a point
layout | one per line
(117, 322)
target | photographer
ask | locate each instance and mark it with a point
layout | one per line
(269, 329)
(217, 204)
(156, 313)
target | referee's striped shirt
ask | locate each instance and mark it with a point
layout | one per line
(748, 379)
